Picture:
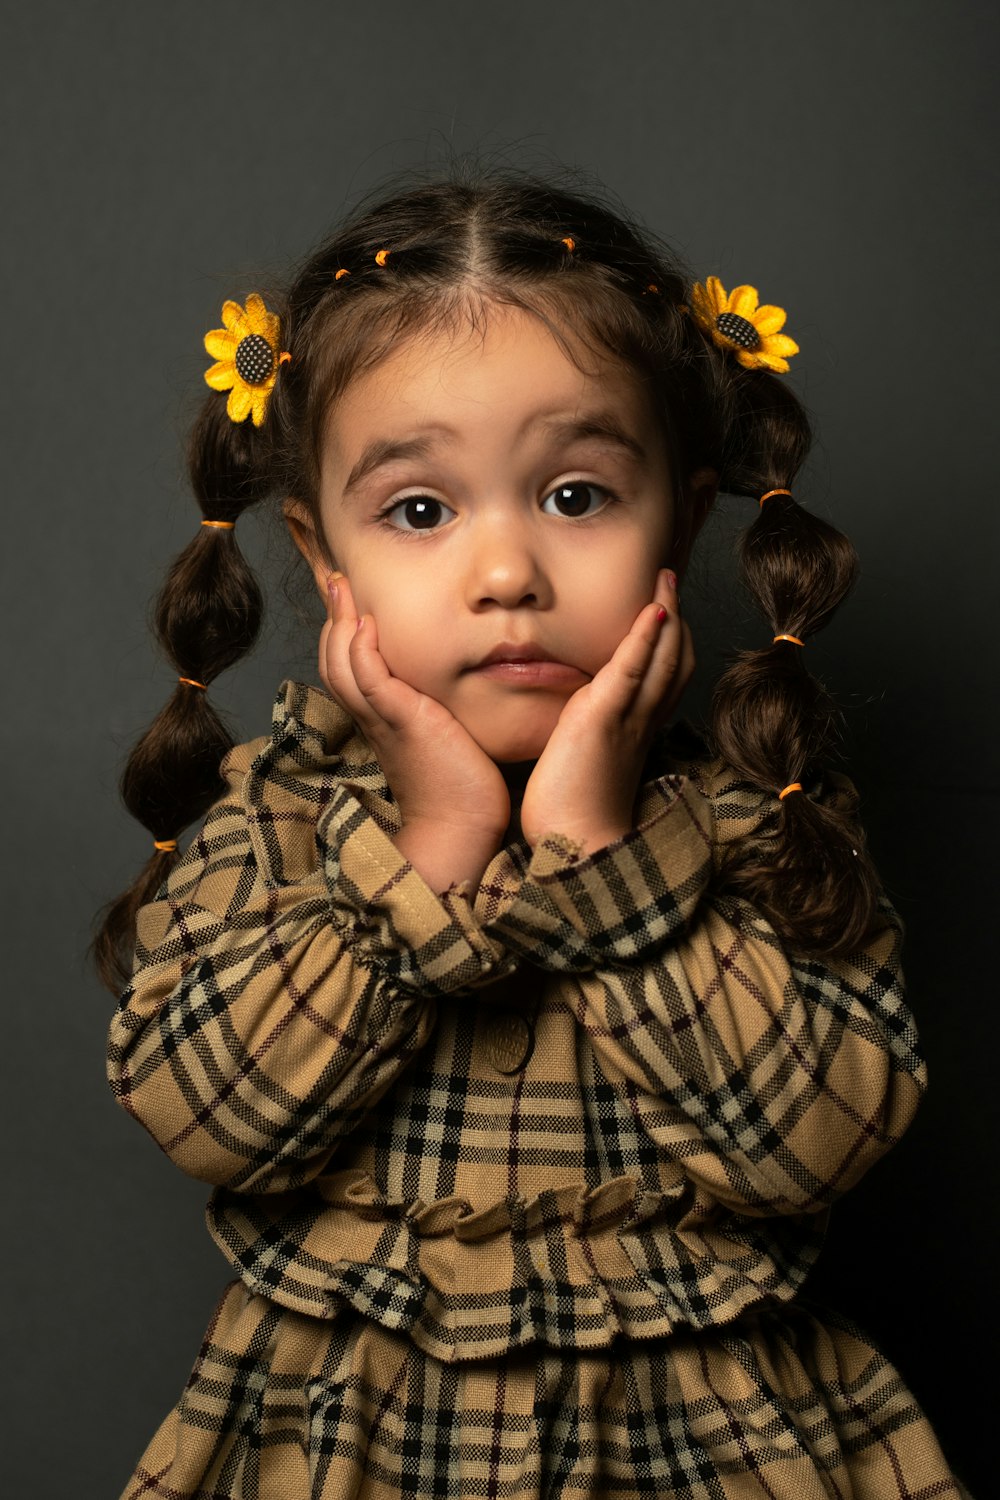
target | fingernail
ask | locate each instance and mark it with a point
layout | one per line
(332, 590)
(672, 579)
(661, 614)
(361, 621)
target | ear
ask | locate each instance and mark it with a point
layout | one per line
(312, 546)
(696, 501)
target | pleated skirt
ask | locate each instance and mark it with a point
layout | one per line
(280, 1406)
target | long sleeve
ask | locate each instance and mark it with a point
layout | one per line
(277, 995)
(778, 1079)
(594, 1096)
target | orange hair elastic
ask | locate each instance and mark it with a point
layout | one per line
(342, 272)
(165, 846)
(569, 243)
(793, 638)
(221, 525)
(191, 683)
(796, 786)
(381, 256)
(773, 492)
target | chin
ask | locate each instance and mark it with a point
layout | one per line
(511, 743)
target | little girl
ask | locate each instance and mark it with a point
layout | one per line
(525, 1038)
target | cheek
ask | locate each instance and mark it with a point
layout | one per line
(407, 632)
(609, 617)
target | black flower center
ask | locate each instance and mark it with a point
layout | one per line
(254, 359)
(739, 330)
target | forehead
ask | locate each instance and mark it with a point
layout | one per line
(502, 376)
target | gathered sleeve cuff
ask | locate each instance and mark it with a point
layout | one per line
(423, 942)
(623, 903)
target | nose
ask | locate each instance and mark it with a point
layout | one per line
(506, 566)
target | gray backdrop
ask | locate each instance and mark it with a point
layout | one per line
(162, 157)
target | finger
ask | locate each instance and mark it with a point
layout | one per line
(663, 667)
(343, 610)
(373, 678)
(324, 635)
(668, 657)
(615, 687)
(665, 589)
(653, 643)
(324, 646)
(683, 674)
(392, 699)
(335, 641)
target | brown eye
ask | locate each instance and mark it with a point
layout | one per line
(573, 499)
(420, 511)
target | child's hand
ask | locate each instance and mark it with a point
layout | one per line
(586, 779)
(440, 777)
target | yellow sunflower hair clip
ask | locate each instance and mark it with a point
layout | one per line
(736, 322)
(247, 358)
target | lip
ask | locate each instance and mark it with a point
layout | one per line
(510, 651)
(528, 665)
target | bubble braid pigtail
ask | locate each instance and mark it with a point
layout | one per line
(207, 616)
(773, 722)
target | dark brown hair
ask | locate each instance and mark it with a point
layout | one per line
(457, 246)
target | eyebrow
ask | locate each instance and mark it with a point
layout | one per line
(597, 426)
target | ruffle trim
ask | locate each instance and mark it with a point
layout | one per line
(572, 1267)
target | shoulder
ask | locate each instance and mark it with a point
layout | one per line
(260, 834)
(307, 729)
(740, 808)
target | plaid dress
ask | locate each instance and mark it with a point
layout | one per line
(518, 1183)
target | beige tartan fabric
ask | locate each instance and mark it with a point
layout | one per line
(541, 1163)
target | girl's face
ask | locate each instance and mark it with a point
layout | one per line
(482, 490)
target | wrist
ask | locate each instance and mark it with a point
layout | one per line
(445, 855)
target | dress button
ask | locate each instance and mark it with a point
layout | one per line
(510, 1039)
